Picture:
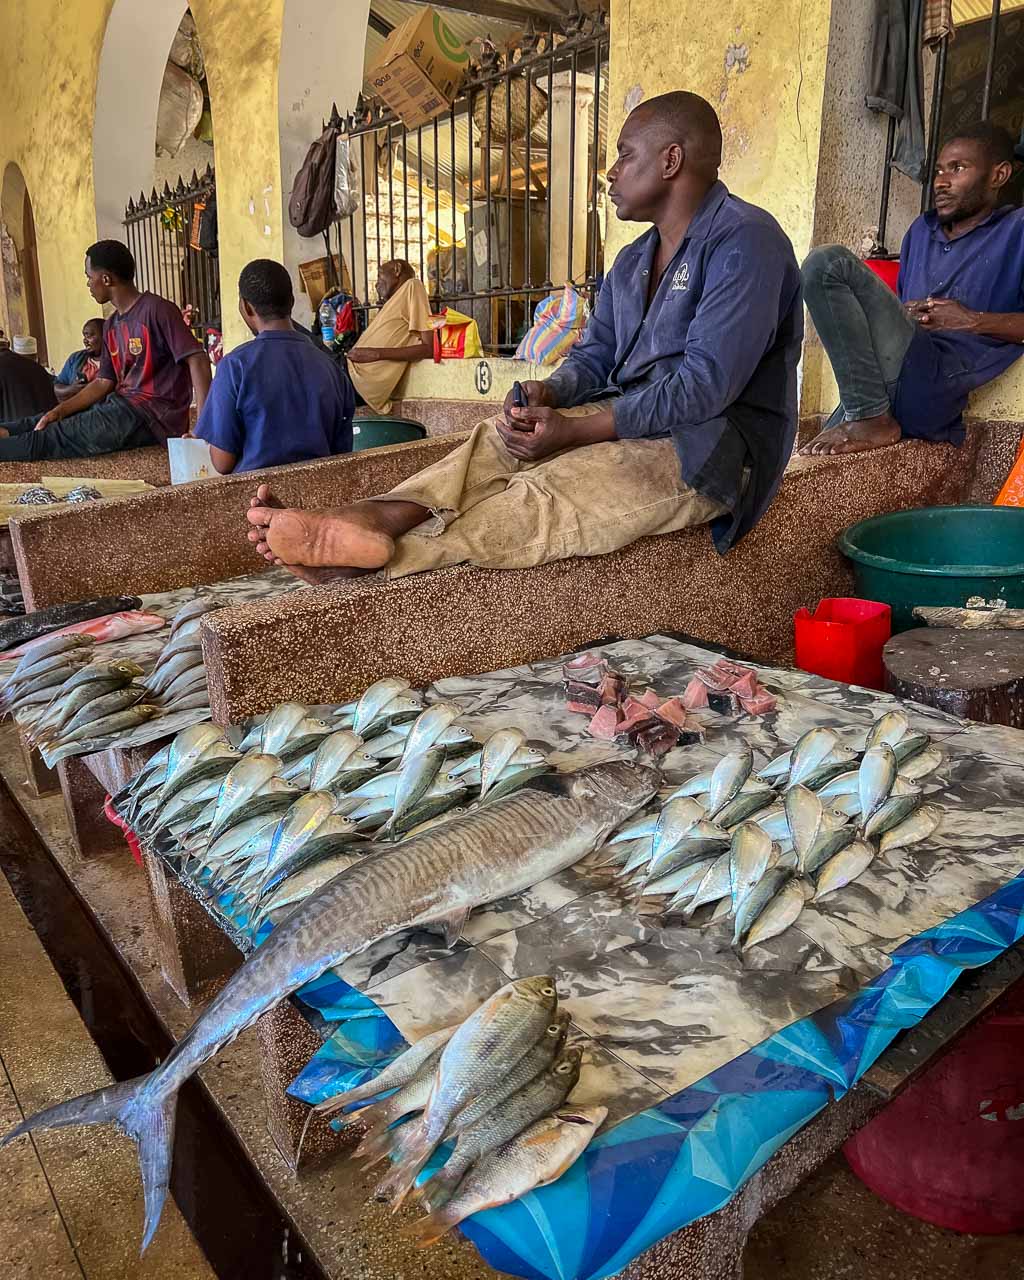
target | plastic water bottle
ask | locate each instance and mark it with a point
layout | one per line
(327, 322)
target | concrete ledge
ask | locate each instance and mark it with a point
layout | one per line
(190, 534)
(327, 644)
(149, 464)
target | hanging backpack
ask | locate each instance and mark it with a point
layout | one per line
(311, 205)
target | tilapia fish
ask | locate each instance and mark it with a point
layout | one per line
(436, 878)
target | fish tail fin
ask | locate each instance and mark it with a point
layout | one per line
(375, 1146)
(442, 1186)
(150, 1122)
(428, 1230)
(413, 1153)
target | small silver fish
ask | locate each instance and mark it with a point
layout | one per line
(497, 754)
(877, 774)
(890, 814)
(804, 813)
(778, 915)
(405, 1067)
(241, 783)
(682, 881)
(374, 700)
(278, 726)
(539, 1156)
(48, 648)
(843, 868)
(675, 819)
(757, 899)
(920, 764)
(107, 727)
(888, 729)
(749, 856)
(715, 884)
(811, 750)
(484, 1050)
(743, 806)
(727, 777)
(298, 825)
(921, 824)
(910, 746)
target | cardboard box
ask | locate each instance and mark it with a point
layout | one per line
(420, 69)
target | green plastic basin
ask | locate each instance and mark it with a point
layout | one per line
(372, 433)
(938, 556)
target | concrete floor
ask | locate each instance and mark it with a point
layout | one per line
(70, 1202)
(834, 1228)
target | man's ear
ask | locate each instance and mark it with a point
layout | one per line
(1002, 174)
(673, 160)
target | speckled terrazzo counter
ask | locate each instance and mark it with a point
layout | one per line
(190, 534)
(326, 644)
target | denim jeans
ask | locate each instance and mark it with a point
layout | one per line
(103, 428)
(862, 326)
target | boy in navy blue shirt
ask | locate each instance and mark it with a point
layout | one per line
(277, 399)
(906, 362)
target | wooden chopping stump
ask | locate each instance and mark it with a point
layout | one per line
(978, 675)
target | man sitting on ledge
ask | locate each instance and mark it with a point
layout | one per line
(677, 408)
(905, 362)
(150, 366)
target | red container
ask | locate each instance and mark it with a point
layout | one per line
(887, 269)
(843, 640)
(950, 1150)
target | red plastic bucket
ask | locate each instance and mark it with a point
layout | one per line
(843, 640)
(950, 1150)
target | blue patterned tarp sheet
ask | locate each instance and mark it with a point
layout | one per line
(709, 1067)
(676, 1162)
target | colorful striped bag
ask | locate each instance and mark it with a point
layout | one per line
(558, 324)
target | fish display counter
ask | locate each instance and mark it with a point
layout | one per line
(735, 935)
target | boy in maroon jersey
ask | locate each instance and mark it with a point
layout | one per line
(149, 367)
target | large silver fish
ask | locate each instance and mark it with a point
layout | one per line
(433, 879)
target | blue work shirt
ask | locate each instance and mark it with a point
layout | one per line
(711, 362)
(983, 270)
(276, 400)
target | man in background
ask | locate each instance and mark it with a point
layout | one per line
(398, 334)
(150, 368)
(906, 362)
(81, 366)
(276, 399)
(25, 386)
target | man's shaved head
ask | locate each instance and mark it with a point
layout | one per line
(669, 151)
(689, 120)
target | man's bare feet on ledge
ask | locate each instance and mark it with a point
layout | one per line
(349, 538)
(856, 437)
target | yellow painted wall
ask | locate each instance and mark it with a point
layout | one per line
(241, 42)
(769, 102)
(49, 61)
(49, 56)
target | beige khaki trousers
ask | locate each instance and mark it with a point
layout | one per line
(490, 510)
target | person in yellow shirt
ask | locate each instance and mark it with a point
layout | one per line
(398, 334)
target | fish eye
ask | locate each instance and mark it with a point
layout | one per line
(563, 1067)
(553, 1029)
(547, 991)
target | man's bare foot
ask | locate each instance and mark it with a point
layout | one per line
(349, 538)
(856, 437)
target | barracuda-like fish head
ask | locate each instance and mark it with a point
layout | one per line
(617, 783)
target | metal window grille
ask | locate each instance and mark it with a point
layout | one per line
(163, 235)
(976, 99)
(495, 203)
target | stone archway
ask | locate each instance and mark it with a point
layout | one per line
(23, 294)
(132, 61)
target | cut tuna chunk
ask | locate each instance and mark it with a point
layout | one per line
(605, 723)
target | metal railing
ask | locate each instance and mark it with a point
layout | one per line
(935, 125)
(499, 200)
(163, 235)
